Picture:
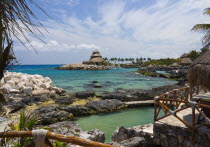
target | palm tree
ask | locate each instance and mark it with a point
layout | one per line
(205, 28)
(16, 20)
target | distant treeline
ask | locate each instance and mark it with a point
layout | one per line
(193, 54)
(167, 61)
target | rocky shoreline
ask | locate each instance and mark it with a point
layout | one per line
(55, 107)
(174, 74)
(80, 66)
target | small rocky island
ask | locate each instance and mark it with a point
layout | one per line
(96, 62)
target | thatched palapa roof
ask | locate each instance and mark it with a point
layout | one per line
(96, 57)
(186, 61)
(199, 71)
(174, 65)
(184, 55)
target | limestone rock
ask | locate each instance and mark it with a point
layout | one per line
(57, 90)
(27, 90)
(27, 84)
(14, 91)
(7, 78)
(94, 135)
(6, 88)
(11, 83)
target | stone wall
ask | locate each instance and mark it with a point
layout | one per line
(175, 136)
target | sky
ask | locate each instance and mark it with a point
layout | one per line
(117, 28)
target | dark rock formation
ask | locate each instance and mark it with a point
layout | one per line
(134, 137)
(127, 95)
(105, 105)
(139, 94)
(95, 82)
(16, 106)
(64, 100)
(77, 110)
(85, 94)
(97, 86)
(35, 99)
(51, 114)
(179, 74)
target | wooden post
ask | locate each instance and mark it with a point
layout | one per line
(193, 124)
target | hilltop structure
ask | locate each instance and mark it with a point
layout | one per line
(95, 58)
(96, 62)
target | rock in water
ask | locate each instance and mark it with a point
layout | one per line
(97, 86)
(95, 82)
(105, 105)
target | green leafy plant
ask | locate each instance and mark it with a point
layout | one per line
(60, 144)
(27, 121)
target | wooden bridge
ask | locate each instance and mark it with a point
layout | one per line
(179, 103)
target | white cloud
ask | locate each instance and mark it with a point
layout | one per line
(53, 45)
(162, 29)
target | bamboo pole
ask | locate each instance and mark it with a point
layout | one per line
(203, 105)
(63, 138)
(193, 125)
(155, 111)
(165, 99)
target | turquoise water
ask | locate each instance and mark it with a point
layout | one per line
(108, 122)
(110, 80)
(161, 72)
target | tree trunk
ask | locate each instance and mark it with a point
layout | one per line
(1, 48)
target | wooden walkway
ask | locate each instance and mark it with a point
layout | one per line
(202, 95)
(140, 103)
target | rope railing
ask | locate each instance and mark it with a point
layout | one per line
(58, 137)
(177, 100)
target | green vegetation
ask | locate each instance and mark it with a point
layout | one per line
(60, 144)
(195, 54)
(26, 121)
(161, 62)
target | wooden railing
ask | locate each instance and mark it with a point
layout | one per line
(177, 100)
(49, 135)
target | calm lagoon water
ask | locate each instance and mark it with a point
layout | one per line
(108, 122)
(110, 80)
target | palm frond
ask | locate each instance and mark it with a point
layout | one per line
(201, 27)
(207, 11)
(16, 21)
